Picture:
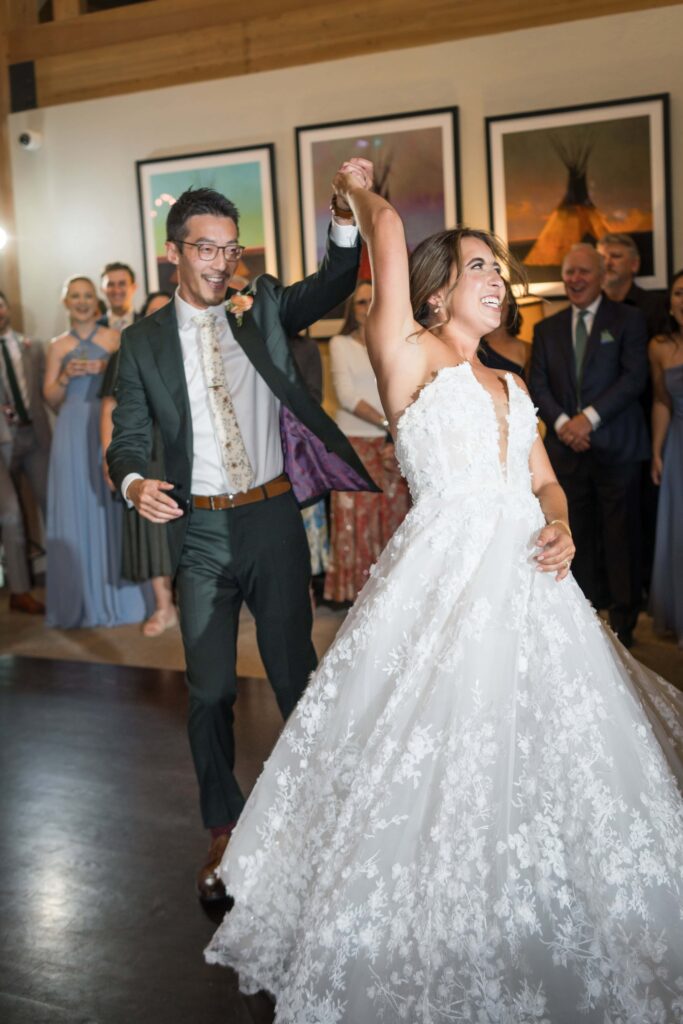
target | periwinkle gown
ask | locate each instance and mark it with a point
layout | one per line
(666, 586)
(84, 519)
(474, 813)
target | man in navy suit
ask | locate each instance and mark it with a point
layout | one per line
(588, 369)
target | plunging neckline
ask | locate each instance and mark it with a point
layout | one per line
(505, 380)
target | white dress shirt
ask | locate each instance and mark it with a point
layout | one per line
(119, 323)
(12, 341)
(591, 414)
(256, 407)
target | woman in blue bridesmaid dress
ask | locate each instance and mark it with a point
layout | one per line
(666, 361)
(84, 521)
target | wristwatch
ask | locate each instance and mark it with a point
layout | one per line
(338, 211)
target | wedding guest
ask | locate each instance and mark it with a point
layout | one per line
(83, 521)
(622, 263)
(666, 363)
(501, 349)
(145, 545)
(119, 287)
(588, 370)
(24, 451)
(361, 523)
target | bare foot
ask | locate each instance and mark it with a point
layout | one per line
(159, 622)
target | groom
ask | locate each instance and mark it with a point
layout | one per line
(244, 447)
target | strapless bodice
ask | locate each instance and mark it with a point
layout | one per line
(448, 441)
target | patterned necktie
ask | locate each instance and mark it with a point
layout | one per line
(580, 343)
(17, 396)
(230, 440)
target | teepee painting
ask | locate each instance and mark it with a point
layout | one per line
(561, 177)
(576, 218)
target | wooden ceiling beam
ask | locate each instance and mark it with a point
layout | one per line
(171, 42)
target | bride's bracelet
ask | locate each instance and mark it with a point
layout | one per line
(561, 522)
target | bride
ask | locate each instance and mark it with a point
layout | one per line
(474, 813)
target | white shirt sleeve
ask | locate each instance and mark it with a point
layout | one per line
(593, 416)
(560, 421)
(344, 235)
(127, 481)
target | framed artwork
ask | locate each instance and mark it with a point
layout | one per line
(558, 177)
(245, 176)
(416, 160)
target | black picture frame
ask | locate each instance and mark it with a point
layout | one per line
(614, 155)
(246, 174)
(422, 143)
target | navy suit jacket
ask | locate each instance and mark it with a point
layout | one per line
(615, 373)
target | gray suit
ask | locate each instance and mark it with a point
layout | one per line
(23, 450)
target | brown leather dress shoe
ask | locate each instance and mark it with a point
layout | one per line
(26, 603)
(209, 886)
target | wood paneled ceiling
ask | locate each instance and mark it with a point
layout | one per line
(169, 42)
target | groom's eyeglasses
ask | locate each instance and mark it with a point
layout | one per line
(206, 251)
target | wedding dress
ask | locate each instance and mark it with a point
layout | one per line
(474, 813)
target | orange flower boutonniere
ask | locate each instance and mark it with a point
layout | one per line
(239, 304)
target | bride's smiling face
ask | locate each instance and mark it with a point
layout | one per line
(475, 294)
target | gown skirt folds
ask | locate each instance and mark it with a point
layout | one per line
(474, 813)
(666, 587)
(84, 519)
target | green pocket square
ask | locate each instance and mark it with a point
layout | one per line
(605, 337)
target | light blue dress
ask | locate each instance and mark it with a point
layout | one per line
(84, 519)
(666, 589)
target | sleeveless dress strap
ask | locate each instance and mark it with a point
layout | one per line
(84, 341)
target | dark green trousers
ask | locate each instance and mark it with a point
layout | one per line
(259, 554)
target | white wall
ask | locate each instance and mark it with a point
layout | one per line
(76, 197)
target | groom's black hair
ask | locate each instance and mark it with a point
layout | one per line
(194, 202)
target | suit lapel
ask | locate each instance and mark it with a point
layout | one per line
(249, 338)
(566, 346)
(164, 343)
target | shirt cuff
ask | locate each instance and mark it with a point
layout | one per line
(560, 421)
(593, 416)
(127, 481)
(344, 235)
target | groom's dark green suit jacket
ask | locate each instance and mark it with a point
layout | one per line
(152, 388)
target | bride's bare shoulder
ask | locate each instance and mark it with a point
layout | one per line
(401, 379)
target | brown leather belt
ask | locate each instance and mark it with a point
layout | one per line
(217, 502)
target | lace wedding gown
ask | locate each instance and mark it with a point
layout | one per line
(473, 814)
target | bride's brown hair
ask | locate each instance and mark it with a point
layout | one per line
(432, 262)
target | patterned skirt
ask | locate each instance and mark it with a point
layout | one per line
(362, 522)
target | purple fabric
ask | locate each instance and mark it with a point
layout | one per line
(308, 464)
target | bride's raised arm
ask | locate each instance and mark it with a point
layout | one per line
(390, 320)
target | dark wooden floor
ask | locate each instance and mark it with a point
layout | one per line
(100, 839)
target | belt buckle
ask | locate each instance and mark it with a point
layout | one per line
(231, 499)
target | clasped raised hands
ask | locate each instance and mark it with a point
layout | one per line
(354, 173)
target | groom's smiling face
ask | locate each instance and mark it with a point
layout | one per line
(201, 282)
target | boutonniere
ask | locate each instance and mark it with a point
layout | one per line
(606, 336)
(239, 304)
